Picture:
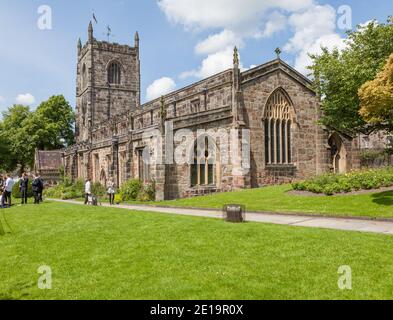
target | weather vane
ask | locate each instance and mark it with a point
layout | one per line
(109, 32)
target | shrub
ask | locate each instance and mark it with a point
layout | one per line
(79, 186)
(150, 191)
(130, 190)
(135, 190)
(357, 180)
(16, 190)
(98, 189)
(71, 190)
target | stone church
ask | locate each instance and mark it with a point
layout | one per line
(272, 105)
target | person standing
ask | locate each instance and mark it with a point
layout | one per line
(23, 187)
(40, 188)
(111, 192)
(36, 188)
(9, 184)
(1, 189)
(87, 190)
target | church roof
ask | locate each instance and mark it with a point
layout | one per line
(48, 160)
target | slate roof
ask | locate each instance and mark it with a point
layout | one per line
(48, 160)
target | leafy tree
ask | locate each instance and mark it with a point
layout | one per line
(50, 127)
(6, 161)
(15, 133)
(376, 99)
(52, 124)
(338, 75)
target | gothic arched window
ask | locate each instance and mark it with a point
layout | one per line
(204, 169)
(114, 73)
(277, 123)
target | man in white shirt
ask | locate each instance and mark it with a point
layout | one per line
(9, 183)
(87, 190)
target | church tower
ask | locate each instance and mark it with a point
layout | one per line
(108, 82)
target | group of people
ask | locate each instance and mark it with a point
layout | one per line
(110, 191)
(7, 183)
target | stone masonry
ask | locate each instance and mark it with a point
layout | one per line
(113, 129)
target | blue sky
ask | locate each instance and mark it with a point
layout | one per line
(182, 41)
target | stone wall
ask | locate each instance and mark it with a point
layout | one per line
(111, 127)
(308, 151)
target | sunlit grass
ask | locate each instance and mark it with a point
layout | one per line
(277, 199)
(107, 253)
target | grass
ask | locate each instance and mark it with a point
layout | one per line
(277, 199)
(108, 253)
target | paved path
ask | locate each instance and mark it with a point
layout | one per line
(384, 227)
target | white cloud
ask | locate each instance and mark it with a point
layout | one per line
(236, 15)
(275, 23)
(313, 28)
(160, 87)
(2, 99)
(217, 42)
(364, 25)
(25, 99)
(236, 20)
(214, 63)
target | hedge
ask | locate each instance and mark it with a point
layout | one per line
(331, 184)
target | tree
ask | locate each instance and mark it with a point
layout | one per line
(50, 127)
(6, 161)
(338, 75)
(52, 124)
(15, 132)
(376, 99)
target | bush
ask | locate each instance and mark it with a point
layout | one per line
(330, 184)
(71, 190)
(131, 189)
(135, 190)
(16, 190)
(98, 189)
(150, 191)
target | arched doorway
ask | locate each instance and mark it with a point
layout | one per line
(103, 177)
(338, 154)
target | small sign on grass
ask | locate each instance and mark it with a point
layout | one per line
(235, 213)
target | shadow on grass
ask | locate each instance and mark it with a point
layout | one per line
(383, 198)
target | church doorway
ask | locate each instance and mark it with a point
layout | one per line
(338, 154)
(103, 177)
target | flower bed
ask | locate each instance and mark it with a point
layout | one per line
(331, 184)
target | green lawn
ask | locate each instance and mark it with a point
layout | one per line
(108, 253)
(276, 199)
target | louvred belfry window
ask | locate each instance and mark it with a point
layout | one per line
(114, 73)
